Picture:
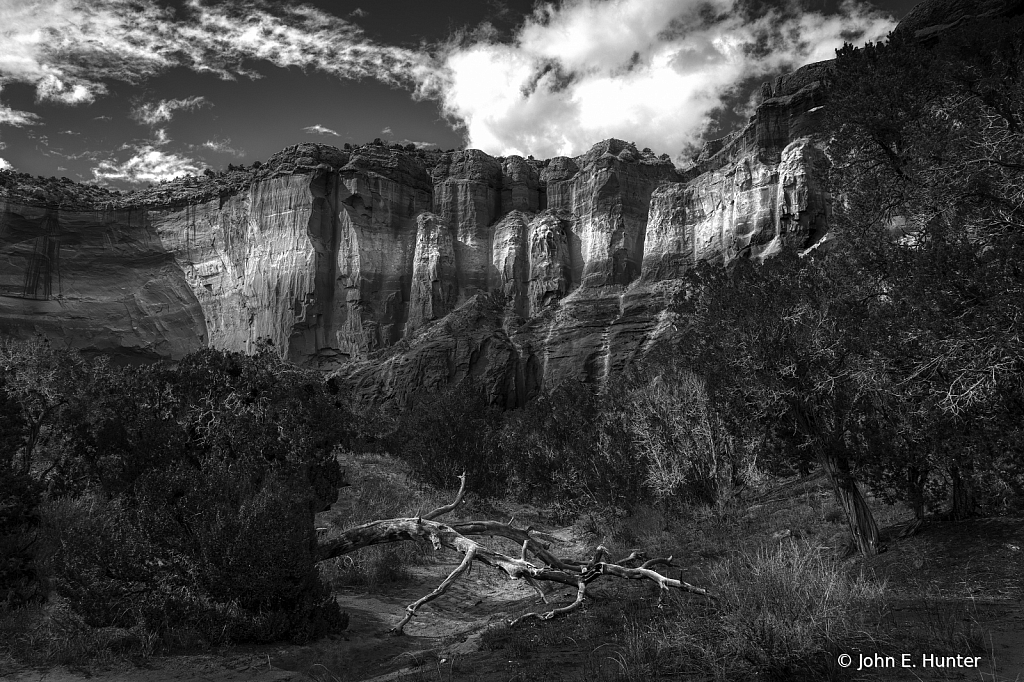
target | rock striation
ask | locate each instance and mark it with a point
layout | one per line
(402, 270)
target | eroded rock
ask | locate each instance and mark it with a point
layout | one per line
(407, 271)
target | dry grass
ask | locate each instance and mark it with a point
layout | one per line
(784, 613)
(789, 602)
(52, 634)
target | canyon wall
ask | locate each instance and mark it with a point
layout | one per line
(402, 270)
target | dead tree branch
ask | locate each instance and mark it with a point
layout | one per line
(336, 542)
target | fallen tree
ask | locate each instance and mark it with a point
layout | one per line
(546, 567)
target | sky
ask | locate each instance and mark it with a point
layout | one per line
(131, 92)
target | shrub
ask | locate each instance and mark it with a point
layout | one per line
(571, 446)
(189, 495)
(449, 432)
(19, 579)
(232, 559)
(19, 497)
(681, 442)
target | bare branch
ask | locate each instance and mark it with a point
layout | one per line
(333, 542)
(410, 610)
(581, 593)
(441, 511)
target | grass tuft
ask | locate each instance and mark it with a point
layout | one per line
(784, 613)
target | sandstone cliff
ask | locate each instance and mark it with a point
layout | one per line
(404, 270)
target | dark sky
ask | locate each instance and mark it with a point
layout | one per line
(128, 92)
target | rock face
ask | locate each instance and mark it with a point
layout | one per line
(98, 280)
(934, 16)
(406, 270)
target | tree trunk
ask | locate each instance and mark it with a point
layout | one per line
(858, 514)
(916, 479)
(963, 501)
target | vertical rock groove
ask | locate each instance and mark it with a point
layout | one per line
(517, 272)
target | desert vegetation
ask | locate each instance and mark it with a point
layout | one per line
(172, 503)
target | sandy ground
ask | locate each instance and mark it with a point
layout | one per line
(442, 632)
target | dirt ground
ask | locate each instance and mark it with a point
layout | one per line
(976, 568)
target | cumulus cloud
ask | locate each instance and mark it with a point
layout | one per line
(152, 113)
(651, 71)
(5, 164)
(319, 130)
(148, 164)
(386, 130)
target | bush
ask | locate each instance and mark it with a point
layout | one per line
(19, 578)
(19, 496)
(231, 560)
(452, 431)
(571, 446)
(182, 499)
(679, 439)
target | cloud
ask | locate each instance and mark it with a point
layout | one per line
(13, 117)
(386, 130)
(415, 143)
(222, 147)
(67, 49)
(650, 71)
(359, 13)
(319, 130)
(161, 138)
(152, 113)
(5, 165)
(51, 88)
(87, 154)
(148, 164)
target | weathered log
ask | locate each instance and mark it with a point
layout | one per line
(334, 543)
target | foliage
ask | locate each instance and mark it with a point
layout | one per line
(651, 434)
(678, 435)
(927, 147)
(19, 497)
(571, 446)
(784, 614)
(207, 569)
(182, 498)
(453, 431)
(781, 345)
